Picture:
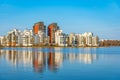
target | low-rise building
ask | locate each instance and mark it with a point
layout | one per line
(88, 38)
(95, 41)
(27, 37)
(1, 40)
(12, 37)
(71, 39)
(60, 38)
(83, 40)
(39, 38)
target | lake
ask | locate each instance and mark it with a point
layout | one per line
(60, 63)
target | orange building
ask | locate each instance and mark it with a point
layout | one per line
(51, 32)
(39, 27)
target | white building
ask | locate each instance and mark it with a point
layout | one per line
(1, 41)
(86, 39)
(27, 37)
(12, 37)
(18, 38)
(72, 38)
(39, 38)
(81, 41)
(95, 41)
(60, 38)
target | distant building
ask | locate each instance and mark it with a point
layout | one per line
(39, 38)
(39, 27)
(80, 40)
(60, 38)
(55, 37)
(39, 30)
(1, 40)
(12, 37)
(27, 37)
(18, 38)
(88, 38)
(71, 39)
(51, 32)
(95, 41)
(83, 40)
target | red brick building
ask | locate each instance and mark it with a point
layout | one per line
(51, 32)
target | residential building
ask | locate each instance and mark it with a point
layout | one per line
(71, 39)
(27, 37)
(60, 38)
(39, 26)
(39, 30)
(95, 41)
(1, 40)
(80, 40)
(52, 28)
(55, 37)
(12, 37)
(83, 40)
(88, 38)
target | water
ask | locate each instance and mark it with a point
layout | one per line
(60, 63)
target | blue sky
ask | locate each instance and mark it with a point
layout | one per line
(102, 17)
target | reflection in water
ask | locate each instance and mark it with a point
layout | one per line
(54, 60)
(41, 60)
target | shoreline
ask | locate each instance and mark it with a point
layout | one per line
(53, 47)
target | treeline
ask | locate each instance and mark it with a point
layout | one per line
(1, 46)
(110, 43)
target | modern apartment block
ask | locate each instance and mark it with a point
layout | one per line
(27, 38)
(18, 38)
(12, 37)
(83, 40)
(2, 41)
(56, 37)
(71, 39)
(39, 26)
(39, 30)
(60, 38)
(52, 28)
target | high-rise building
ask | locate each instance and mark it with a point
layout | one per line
(52, 28)
(39, 26)
(39, 30)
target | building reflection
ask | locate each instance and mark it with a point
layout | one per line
(86, 56)
(41, 61)
(54, 60)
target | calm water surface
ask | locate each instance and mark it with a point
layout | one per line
(60, 63)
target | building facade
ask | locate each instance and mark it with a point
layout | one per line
(60, 38)
(39, 30)
(83, 40)
(12, 37)
(56, 37)
(52, 28)
(27, 38)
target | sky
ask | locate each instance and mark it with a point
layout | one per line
(102, 17)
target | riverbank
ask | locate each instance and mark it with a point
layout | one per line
(55, 46)
(49, 47)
